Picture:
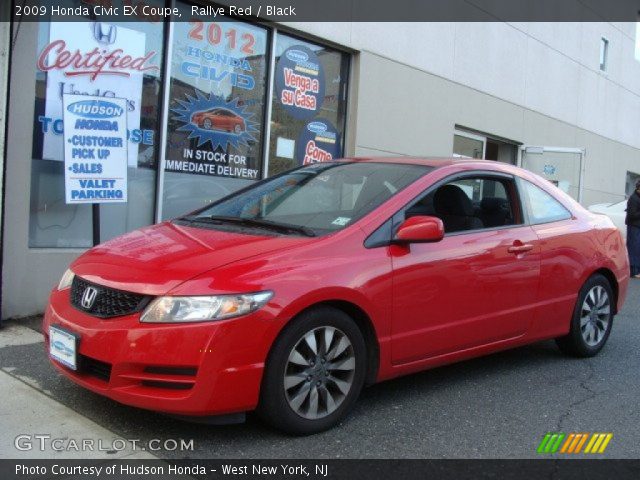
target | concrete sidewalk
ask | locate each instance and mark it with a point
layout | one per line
(26, 410)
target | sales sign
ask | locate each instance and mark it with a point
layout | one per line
(95, 149)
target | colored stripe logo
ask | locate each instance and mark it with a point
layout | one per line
(573, 443)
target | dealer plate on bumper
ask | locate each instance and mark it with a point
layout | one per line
(63, 347)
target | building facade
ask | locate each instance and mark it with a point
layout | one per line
(213, 106)
(5, 42)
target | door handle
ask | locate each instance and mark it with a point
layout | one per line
(519, 247)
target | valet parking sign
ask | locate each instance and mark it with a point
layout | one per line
(95, 149)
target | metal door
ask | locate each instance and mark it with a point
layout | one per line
(564, 167)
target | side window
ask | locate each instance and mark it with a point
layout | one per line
(470, 203)
(543, 207)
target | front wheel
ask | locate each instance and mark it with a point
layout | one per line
(315, 372)
(592, 319)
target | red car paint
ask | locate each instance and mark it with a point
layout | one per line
(425, 304)
(219, 119)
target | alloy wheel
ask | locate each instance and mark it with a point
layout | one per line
(595, 315)
(319, 372)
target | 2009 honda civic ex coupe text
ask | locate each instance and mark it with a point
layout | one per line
(290, 295)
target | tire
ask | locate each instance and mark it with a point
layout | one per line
(301, 394)
(207, 124)
(237, 129)
(589, 331)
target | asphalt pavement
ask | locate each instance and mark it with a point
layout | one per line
(499, 406)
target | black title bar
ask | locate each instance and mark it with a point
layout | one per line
(293, 469)
(331, 10)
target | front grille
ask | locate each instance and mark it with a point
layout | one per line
(93, 367)
(108, 302)
(167, 385)
(186, 371)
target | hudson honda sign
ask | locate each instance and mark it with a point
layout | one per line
(95, 149)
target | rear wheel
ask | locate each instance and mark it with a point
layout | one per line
(592, 319)
(207, 124)
(315, 372)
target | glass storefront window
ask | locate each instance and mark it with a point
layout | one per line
(53, 223)
(309, 104)
(217, 102)
(216, 88)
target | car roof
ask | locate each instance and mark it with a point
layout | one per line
(428, 161)
(469, 164)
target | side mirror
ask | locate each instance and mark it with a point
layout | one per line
(420, 229)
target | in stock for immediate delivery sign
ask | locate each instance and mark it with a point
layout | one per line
(95, 149)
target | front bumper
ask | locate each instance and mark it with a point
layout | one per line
(197, 369)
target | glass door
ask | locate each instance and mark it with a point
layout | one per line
(561, 166)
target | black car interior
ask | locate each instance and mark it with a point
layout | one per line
(488, 209)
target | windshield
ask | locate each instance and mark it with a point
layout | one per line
(314, 200)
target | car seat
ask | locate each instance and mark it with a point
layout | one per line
(455, 209)
(494, 211)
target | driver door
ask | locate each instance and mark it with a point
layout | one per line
(478, 285)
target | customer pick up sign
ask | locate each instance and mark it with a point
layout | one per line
(95, 149)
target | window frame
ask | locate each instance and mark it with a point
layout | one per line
(522, 186)
(272, 33)
(384, 234)
(604, 54)
(164, 107)
(96, 231)
(471, 136)
(636, 47)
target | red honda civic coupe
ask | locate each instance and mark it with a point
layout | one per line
(290, 295)
(219, 119)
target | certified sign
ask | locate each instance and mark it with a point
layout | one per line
(95, 149)
(94, 59)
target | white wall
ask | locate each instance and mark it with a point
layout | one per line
(402, 110)
(28, 273)
(550, 68)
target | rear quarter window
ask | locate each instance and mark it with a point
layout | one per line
(543, 207)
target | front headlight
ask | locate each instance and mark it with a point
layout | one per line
(66, 280)
(203, 309)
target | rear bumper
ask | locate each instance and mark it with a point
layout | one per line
(198, 369)
(623, 287)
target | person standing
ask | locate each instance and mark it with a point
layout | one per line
(632, 221)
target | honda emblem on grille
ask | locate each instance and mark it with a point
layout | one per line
(88, 297)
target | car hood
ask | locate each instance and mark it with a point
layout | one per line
(156, 259)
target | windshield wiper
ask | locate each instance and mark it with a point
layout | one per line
(255, 222)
